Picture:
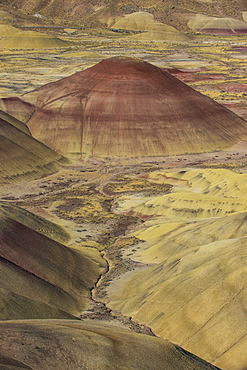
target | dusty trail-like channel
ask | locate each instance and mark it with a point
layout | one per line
(82, 198)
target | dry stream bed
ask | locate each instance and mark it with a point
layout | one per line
(83, 199)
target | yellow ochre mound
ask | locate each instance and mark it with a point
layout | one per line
(142, 21)
(161, 36)
(32, 40)
(206, 24)
(192, 290)
(154, 30)
(7, 30)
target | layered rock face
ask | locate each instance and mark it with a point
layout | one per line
(21, 156)
(40, 277)
(214, 25)
(125, 107)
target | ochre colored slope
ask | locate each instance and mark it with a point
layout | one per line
(178, 37)
(85, 12)
(41, 278)
(197, 194)
(68, 344)
(21, 156)
(196, 299)
(165, 239)
(16, 108)
(6, 18)
(123, 107)
(6, 30)
(15, 122)
(193, 289)
(227, 26)
(142, 21)
(32, 40)
(34, 222)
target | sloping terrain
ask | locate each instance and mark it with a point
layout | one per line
(152, 36)
(5, 17)
(53, 344)
(15, 122)
(214, 25)
(34, 222)
(142, 21)
(22, 156)
(45, 279)
(153, 30)
(105, 12)
(125, 107)
(6, 30)
(32, 40)
(195, 256)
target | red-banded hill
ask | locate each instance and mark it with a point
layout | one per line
(40, 277)
(125, 107)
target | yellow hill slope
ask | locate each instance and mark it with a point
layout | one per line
(160, 36)
(165, 239)
(142, 21)
(15, 122)
(197, 194)
(5, 17)
(216, 25)
(41, 278)
(193, 289)
(154, 30)
(196, 299)
(21, 156)
(32, 40)
(7, 30)
(34, 222)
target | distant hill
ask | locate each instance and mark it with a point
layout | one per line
(125, 107)
(105, 12)
(32, 40)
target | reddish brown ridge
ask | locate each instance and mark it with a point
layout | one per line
(125, 107)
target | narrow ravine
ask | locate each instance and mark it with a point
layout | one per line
(98, 310)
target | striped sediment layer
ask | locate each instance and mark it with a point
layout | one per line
(215, 25)
(45, 279)
(125, 107)
(21, 156)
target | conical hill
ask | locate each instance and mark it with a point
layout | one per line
(125, 107)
